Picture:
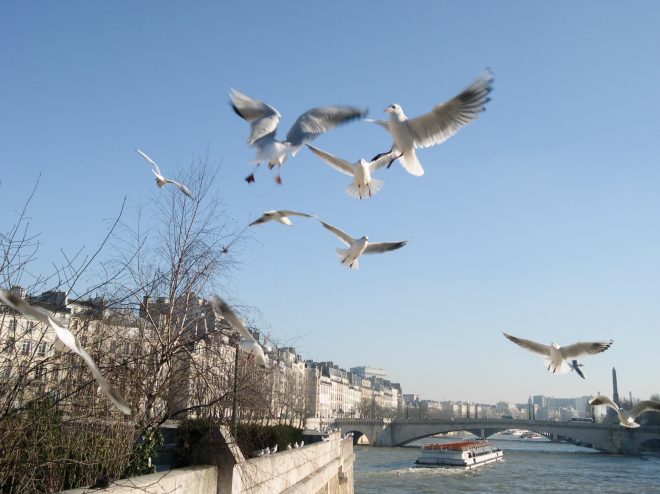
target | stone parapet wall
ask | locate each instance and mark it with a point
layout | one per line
(323, 467)
(197, 479)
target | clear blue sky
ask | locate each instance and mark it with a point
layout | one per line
(540, 219)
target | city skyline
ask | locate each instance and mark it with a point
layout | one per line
(538, 219)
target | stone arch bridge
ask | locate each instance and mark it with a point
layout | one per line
(612, 438)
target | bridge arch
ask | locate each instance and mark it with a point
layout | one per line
(605, 437)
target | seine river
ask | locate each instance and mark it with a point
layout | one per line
(529, 466)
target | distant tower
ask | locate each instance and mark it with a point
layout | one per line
(615, 388)
(611, 414)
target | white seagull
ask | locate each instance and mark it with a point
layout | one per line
(627, 418)
(264, 120)
(363, 185)
(556, 356)
(66, 341)
(281, 216)
(438, 125)
(357, 247)
(247, 343)
(160, 180)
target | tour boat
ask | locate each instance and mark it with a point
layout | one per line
(467, 454)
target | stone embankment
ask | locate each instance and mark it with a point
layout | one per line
(323, 467)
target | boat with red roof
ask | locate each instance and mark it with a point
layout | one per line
(467, 454)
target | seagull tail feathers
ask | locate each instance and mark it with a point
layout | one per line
(411, 164)
(366, 191)
(345, 260)
(561, 368)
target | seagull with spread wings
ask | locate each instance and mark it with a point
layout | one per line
(247, 343)
(358, 246)
(160, 180)
(65, 341)
(438, 125)
(557, 356)
(363, 185)
(264, 120)
(627, 418)
(281, 216)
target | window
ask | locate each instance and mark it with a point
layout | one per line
(41, 349)
(31, 326)
(12, 325)
(26, 346)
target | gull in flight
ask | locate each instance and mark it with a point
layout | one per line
(573, 364)
(162, 181)
(247, 343)
(65, 341)
(627, 418)
(357, 247)
(438, 125)
(281, 216)
(556, 356)
(264, 120)
(363, 185)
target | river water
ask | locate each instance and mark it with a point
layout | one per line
(529, 466)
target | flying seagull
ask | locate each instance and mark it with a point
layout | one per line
(357, 247)
(247, 343)
(573, 364)
(281, 216)
(363, 185)
(438, 125)
(65, 341)
(264, 120)
(162, 181)
(556, 356)
(627, 418)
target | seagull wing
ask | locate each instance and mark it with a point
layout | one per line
(68, 340)
(152, 162)
(185, 190)
(530, 345)
(230, 316)
(343, 236)
(181, 187)
(448, 118)
(263, 118)
(71, 342)
(382, 123)
(644, 406)
(380, 247)
(603, 400)
(576, 367)
(267, 216)
(20, 305)
(337, 163)
(585, 348)
(316, 121)
(288, 212)
(383, 159)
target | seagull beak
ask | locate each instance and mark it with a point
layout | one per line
(387, 110)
